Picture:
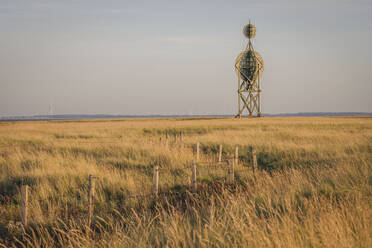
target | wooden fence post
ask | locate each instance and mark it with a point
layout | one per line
(90, 199)
(24, 205)
(197, 151)
(166, 139)
(254, 158)
(236, 155)
(220, 155)
(193, 177)
(231, 171)
(156, 180)
(181, 141)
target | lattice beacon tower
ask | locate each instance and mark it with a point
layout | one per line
(249, 67)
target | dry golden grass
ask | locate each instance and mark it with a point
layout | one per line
(313, 188)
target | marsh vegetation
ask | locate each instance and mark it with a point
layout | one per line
(313, 187)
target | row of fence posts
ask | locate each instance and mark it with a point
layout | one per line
(91, 186)
(180, 135)
(236, 157)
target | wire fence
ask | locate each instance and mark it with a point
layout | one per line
(226, 168)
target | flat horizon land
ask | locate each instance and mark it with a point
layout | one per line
(313, 185)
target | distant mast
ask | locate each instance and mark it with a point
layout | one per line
(50, 113)
(249, 66)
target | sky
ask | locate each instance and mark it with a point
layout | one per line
(177, 57)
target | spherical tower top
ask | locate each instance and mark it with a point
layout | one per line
(249, 31)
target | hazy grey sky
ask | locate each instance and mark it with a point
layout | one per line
(177, 57)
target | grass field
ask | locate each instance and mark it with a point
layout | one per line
(313, 187)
